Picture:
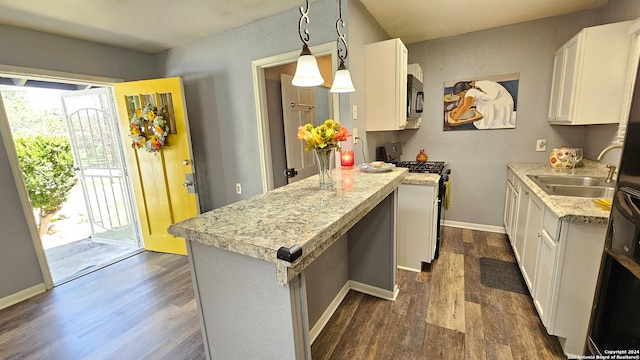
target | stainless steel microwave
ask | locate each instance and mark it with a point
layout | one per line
(415, 97)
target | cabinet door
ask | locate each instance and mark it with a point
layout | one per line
(531, 241)
(521, 221)
(385, 71)
(569, 69)
(556, 82)
(417, 221)
(508, 210)
(545, 271)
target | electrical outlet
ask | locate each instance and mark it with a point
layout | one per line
(238, 189)
(354, 135)
(541, 145)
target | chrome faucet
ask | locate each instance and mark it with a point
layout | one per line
(607, 149)
(611, 168)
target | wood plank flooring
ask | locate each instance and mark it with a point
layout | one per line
(441, 313)
(144, 308)
(140, 308)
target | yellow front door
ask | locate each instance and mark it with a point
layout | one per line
(159, 177)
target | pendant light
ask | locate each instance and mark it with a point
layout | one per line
(342, 81)
(307, 71)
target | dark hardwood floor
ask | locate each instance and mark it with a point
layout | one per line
(143, 308)
(441, 313)
(140, 308)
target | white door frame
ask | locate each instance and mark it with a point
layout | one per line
(260, 96)
(5, 132)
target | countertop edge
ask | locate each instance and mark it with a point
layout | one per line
(360, 192)
(566, 208)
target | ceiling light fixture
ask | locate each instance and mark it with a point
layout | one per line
(342, 81)
(307, 71)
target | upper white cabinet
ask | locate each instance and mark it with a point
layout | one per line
(589, 76)
(386, 85)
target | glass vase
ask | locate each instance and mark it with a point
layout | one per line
(325, 160)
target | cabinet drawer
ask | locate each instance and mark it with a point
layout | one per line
(551, 224)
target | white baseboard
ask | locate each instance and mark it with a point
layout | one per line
(374, 291)
(25, 294)
(326, 315)
(472, 226)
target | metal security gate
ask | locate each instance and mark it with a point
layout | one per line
(95, 140)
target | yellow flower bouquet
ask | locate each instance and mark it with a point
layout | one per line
(325, 135)
(324, 139)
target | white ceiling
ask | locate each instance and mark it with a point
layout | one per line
(155, 25)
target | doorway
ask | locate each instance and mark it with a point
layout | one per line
(95, 226)
(269, 108)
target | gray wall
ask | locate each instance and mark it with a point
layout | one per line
(478, 159)
(220, 101)
(19, 268)
(363, 29)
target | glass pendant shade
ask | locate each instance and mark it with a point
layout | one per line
(342, 82)
(307, 72)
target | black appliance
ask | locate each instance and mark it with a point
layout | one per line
(415, 97)
(615, 320)
(391, 153)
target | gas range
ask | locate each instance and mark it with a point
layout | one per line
(429, 167)
(391, 153)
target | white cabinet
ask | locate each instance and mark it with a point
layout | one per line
(559, 261)
(385, 70)
(521, 216)
(589, 74)
(417, 225)
(546, 266)
(529, 255)
(511, 207)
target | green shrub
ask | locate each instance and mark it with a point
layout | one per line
(47, 164)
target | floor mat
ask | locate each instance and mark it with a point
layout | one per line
(502, 275)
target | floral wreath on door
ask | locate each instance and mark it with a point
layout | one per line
(149, 129)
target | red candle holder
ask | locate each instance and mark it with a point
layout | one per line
(347, 159)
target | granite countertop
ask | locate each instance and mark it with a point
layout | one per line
(421, 179)
(295, 214)
(567, 208)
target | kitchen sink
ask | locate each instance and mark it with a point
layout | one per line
(570, 180)
(582, 191)
(578, 186)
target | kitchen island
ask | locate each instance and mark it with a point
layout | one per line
(249, 259)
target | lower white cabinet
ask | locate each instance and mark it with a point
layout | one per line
(520, 215)
(529, 255)
(559, 261)
(510, 204)
(546, 266)
(417, 225)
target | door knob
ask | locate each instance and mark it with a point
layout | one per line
(187, 183)
(290, 173)
(186, 162)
